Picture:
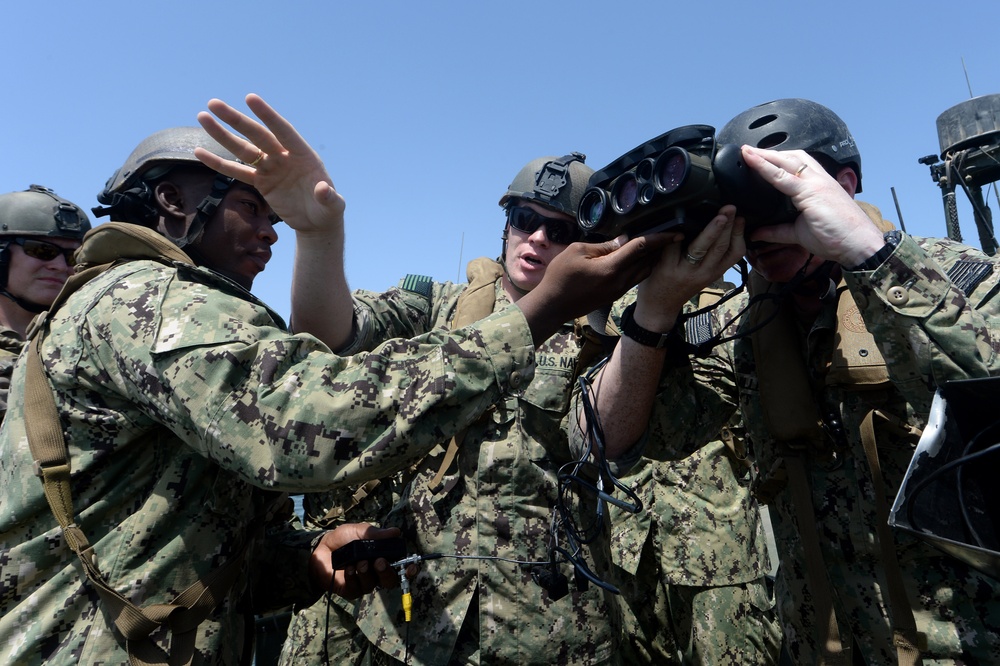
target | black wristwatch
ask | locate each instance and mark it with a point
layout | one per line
(632, 330)
(892, 240)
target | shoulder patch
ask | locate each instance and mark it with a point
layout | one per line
(966, 274)
(418, 284)
(698, 329)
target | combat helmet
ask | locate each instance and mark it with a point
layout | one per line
(128, 194)
(791, 124)
(37, 211)
(556, 182)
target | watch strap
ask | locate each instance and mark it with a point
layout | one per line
(633, 331)
(892, 240)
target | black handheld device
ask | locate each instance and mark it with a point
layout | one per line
(392, 549)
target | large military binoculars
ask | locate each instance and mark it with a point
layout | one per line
(677, 182)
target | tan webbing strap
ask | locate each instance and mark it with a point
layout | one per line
(479, 297)
(191, 607)
(907, 639)
(833, 652)
(357, 498)
(792, 417)
(449, 457)
(790, 411)
(48, 448)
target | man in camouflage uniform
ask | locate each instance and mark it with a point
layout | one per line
(691, 566)
(853, 326)
(185, 403)
(495, 498)
(39, 231)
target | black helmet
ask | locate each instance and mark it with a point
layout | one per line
(128, 195)
(556, 182)
(795, 124)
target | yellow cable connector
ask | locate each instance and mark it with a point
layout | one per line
(404, 582)
(408, 606)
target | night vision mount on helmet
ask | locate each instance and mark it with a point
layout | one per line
(38, 211)
(556, 182)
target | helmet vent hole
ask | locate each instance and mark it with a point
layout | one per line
(763, 120)
(772, 140)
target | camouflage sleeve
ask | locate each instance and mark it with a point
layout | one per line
(279, 410)
(933, 309)
(399, 313)
(696, 398)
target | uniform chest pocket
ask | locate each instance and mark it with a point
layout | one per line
(550, 389)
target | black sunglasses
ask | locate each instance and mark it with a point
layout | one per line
(43, 251)
(562, 232)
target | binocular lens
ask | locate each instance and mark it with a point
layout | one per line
(671, 169)
(625, 193)
(591, 209)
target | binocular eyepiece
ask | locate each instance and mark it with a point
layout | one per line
(677, 181)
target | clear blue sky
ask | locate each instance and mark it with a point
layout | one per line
(424, 111)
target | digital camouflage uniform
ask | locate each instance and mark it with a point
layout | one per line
(10, 346)
(691, 566)
(496, 500)
(183, 397)
(928, 331)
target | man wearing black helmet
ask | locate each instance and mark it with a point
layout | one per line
(39, 231)
(169, 407)
(852, 325)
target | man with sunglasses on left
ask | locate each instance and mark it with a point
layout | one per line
(39, 231)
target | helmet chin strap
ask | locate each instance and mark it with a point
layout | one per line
(30, 306)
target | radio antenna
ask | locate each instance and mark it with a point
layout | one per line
(899, 212)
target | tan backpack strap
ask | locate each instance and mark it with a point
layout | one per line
(479, 297)
(449, 456)
(357, 498)
(790, 410)
(831, 646)
(190, 607)
(909, 642)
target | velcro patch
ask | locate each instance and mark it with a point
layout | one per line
(966, 275)
(418, 284)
